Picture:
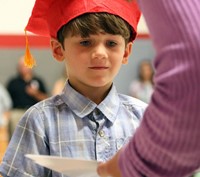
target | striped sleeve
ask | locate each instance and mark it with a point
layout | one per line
(167, 144)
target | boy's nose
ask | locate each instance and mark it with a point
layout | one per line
(99, 52)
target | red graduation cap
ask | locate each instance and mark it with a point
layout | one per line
(48, 16)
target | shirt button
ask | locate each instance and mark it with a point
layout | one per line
(101, 133)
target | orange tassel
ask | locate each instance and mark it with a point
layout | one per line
(29, 61)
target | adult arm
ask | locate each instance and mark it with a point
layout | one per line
(167, 142)
(36, 93)
(40, 92)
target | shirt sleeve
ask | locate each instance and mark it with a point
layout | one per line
(29, 138)
(167, 142)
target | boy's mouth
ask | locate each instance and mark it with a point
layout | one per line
(98, 67)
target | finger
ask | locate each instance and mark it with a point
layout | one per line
(102, 170)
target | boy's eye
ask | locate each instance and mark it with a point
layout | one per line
(111, 43)
(85, 43)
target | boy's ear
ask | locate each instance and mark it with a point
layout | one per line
(127, 52)
(57, 50)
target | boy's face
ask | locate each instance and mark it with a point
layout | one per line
(92, 62)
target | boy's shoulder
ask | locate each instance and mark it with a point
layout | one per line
(43, 112)
(51, 102)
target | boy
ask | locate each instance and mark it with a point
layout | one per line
(89, 119)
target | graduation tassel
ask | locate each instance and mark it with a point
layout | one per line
(29, 61)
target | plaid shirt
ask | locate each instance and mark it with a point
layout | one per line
(71, 125)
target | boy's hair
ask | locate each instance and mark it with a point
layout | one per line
(94, 23)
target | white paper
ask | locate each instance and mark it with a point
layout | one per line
(68, 166)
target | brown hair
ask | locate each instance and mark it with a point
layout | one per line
(93, 23)
(142, 64)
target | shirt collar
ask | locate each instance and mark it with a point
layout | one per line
(83, 106)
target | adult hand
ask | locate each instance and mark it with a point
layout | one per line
(110, 168)
(36, 93)
(31, 91)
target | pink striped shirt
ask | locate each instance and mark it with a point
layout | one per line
(167, 144)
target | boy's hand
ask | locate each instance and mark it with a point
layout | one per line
(110, 168)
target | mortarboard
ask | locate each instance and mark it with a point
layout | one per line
(48, 16)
